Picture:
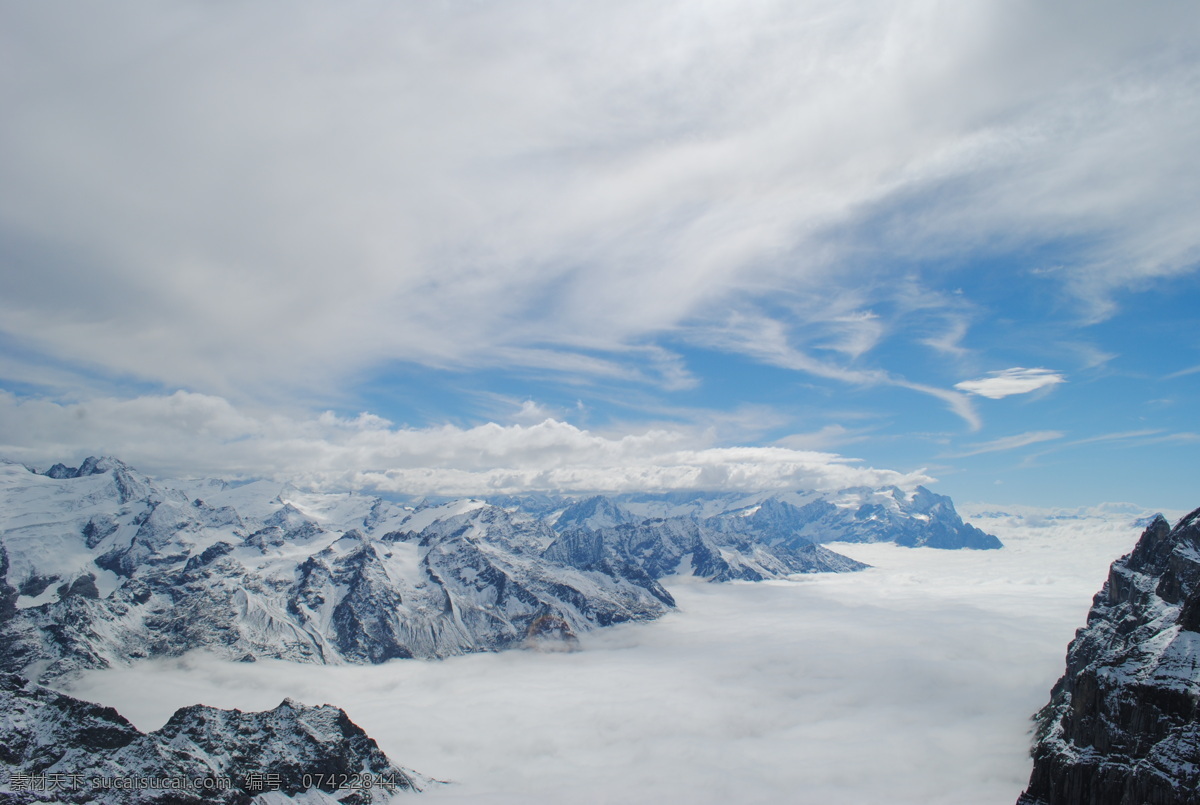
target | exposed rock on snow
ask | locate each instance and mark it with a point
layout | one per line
(55, 748)
(1123, 723)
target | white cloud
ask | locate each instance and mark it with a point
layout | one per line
(949, 341)
(1009, 443)
(854, 334)
(768, 340)
(825, 438)
(1008, 382)
(194, 434)
(249, 205)
(1191, 370)
(1131, 438)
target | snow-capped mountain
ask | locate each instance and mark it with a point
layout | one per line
(101, 565)
(717, 549)
(751, 537)
(859, 514)
(55, 748)
(794, 519)
(1123, 723)
(105, 565)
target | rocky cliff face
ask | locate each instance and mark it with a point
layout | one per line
(1123, 724)
(55, 748)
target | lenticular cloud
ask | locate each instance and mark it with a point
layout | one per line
(1008, 382)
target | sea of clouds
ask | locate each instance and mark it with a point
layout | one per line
(912, 682)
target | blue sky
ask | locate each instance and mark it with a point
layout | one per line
(614, 245)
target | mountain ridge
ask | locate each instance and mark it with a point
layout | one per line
(102, 565)
(55, 748)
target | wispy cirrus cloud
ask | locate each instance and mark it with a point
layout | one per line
(1007, 382)
(1130, 438)
(1191, 370)
(419, 209)
(1008, 443)
(371, 183)
(827, 437)
(769, 339)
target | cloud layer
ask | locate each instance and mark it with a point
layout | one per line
(195, 435)
(246, 204)
(680, 227)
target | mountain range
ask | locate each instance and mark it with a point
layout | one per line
(101, 565)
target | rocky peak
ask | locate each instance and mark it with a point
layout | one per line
(926, 502)
(294, 748)
(60, 471)
(1123, 723)
(90, 466)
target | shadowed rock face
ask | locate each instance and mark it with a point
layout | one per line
(1123, 723)
(75, 747)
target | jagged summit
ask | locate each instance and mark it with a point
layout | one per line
(91, 465)
(1123, 723)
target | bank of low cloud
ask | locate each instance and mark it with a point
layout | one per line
(190, 434)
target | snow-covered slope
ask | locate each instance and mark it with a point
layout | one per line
(55, 748)
(915, 519)
(105, 565)
(712, 549)
(726, 536)
(1123, 722)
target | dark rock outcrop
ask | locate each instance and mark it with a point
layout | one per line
(1123, 724)
(8, 593)
(55, 748)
